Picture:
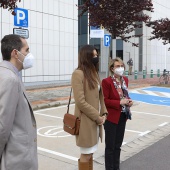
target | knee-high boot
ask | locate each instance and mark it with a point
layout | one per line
(91, 163)
(83, 165)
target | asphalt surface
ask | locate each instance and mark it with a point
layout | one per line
(150, 152)
(155, 157)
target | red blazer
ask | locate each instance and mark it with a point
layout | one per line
(112, 99)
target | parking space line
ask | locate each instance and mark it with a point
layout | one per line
(58, 154)
(124, 143)
(150, 93)
(166, 94)
(52, 108)
(134, 91)
(133, 131)
(140, 133)
(41, 114)
(152, 114)
(144, 133)
(163, 124)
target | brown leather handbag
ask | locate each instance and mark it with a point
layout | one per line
(71, 123)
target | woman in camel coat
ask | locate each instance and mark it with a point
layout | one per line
(89, 105)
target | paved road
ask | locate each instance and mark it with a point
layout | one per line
(57, 149)
(155, 157)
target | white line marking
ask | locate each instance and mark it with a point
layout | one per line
(154, 94)
(124, 143)
(52, 108)
(163, 124)
(150, 93)
(52, 132)
(162, 101)
(48, 115)
(144, 133)
(152, 114)
(133, 131)
(135, 91)
(166, 94)
(140, 133)
(58, 154)
(155, 87)
(151, 103)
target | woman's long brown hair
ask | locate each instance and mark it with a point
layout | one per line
(85, 64)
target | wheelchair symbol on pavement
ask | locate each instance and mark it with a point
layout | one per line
(52, 132)
(162, 101)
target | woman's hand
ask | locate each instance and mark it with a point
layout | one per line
(101, 120)
(130, 103)
(125, 101)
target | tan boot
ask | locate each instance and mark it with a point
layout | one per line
(91, 163)
(83, 165)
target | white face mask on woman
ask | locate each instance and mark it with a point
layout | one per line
(28, 61)
(119, 71)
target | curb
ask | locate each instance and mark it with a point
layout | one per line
(51, 104)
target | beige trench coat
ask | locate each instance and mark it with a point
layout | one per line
(87, 102)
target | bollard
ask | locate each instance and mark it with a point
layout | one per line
(136, 75)
(151, 75)
(158, 73)
(126, 74)
(144, 74)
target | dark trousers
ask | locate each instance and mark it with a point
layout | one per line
(114, 134)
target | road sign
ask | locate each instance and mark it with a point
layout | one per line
(96, 32)
(22, 32)
(107, 39)
(21, 17)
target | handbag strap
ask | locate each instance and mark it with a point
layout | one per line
(68, 106)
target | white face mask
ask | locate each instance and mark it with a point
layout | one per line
(28, 61)
(119, 71)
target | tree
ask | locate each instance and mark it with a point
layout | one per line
(119, 17)
(161, 30)
(9, 4)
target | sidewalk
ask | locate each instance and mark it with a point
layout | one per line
(51, 94)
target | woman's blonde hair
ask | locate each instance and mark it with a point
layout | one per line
(112, 63)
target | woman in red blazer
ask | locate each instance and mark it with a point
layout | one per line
(118, 105)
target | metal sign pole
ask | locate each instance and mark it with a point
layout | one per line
(107, 62)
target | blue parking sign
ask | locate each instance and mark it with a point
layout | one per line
(21, 17)
(107, 39)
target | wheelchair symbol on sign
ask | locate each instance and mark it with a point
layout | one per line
(162, 101)
(52, 132)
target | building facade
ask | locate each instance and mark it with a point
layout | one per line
(150, 55)
(53, 38)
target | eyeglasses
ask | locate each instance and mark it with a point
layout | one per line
(117, 66)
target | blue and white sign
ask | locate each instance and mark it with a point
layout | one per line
(21, 17)
(107, 40)
(96, 32)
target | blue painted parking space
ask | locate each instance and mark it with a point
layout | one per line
(158, 89)
(150, 99)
